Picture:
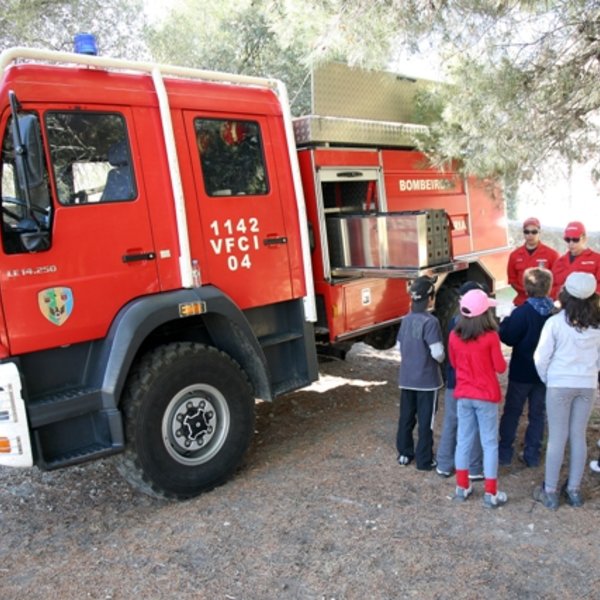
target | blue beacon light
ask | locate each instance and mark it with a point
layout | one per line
(85, 43)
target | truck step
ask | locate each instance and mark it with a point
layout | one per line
(63, 405)
(278, 338)
(78, 439)
(80, 455)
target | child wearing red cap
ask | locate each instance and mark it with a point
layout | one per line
(474, 351)
(578, 258)
(531, 254)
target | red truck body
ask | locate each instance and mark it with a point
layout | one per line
(168, 255)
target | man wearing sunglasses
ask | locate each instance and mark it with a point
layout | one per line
(532, 254)
(577, 258)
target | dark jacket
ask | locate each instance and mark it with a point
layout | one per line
(522, 330)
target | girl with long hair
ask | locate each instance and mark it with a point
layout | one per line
(567, 359)
(475, 353)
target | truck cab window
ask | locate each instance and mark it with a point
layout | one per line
(19, 218)
(90, 156)
(231, 157)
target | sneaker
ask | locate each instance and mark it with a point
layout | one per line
(443, 473)
(574, 497)
(548, 499)
(595, 466)
(462, 494)
(476, 476)
(404, 460)
(429, 467)
(494, 500)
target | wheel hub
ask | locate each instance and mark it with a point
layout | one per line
(195, 424)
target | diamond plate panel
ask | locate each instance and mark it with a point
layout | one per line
(331, 130)
(342, 91)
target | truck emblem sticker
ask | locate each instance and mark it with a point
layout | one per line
(56, 304)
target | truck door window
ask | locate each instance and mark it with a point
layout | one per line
(90, 157)
(17, 219)
(231, 156)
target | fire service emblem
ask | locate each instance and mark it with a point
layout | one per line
(56, 304)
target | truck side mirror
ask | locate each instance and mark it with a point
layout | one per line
(31, 139)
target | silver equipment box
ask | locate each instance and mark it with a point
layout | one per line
(403, 240)
(357, 106)
(314, 129)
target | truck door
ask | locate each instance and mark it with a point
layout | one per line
(240, 203)
(98, 252)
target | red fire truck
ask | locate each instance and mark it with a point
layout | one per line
(174, 245)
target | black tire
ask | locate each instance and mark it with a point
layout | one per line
(189, 419)
(382, 339)
(446, 307)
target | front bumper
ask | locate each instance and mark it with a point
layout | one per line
(15, 442)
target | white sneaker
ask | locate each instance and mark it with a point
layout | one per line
(462, 494)
(494, 501)
(595, 466)
(443, 473)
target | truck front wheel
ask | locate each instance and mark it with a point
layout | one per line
(189, 418)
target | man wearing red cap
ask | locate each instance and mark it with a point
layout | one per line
(531, 254)
(577, 258)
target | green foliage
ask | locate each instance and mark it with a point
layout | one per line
(236, 36)
(522, 85)
(520, 75)
(52, 25)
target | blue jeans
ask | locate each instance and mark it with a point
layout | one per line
(516, 395)
(447, 444)
(471, 415)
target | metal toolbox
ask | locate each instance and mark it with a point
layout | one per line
(413, 239)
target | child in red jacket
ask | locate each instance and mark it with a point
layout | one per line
(475, 352)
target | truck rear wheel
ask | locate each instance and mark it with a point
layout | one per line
(446, 308)
(189, 418)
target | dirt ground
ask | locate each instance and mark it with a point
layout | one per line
(320, 510)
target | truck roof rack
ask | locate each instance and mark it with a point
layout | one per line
(12, 55)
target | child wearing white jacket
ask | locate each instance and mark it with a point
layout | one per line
(567, 359)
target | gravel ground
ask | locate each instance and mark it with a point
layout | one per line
(320, 510)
